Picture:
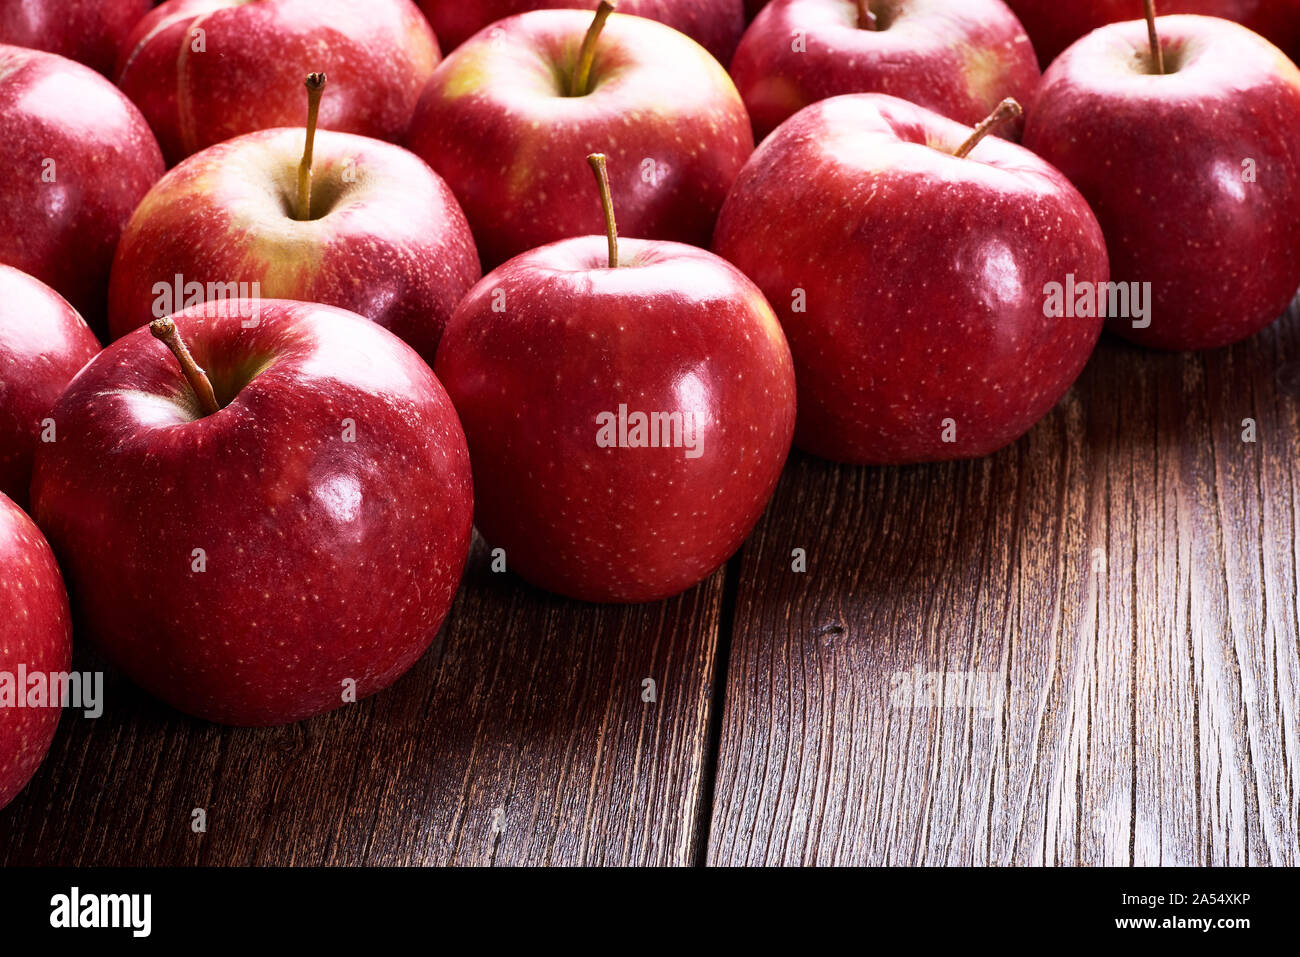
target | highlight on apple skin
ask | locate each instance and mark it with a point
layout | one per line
(37, 640)
(910, 281)
(88, 31)
(291, 551)
(385, 237)
(43, 344)
(79, 158)
(502, 122)
(956, 57)
(203, 71)
(1194, 174)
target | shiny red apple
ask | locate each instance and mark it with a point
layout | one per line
(77, 157)
(88, 31)
(912, 282)
(715, 25)
(1194, 174)
(43, 344)
(203, 71)
(36, 641)
(382, 236)
(957, 57)
(628, 411)
(274, 547)
(510, 116)
(1053, 25)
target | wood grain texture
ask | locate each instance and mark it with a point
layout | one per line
(1127, 572)
(521, 737)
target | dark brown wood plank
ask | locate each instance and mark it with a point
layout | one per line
(521, 737)
(1128, 573)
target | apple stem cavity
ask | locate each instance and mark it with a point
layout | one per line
(165, 330)
(1008, 109)
(598, 166)
(1157, 54)
(867, 20)
(580, 84)
(315, 85)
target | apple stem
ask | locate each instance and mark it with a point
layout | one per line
(315, 85)
(1008, 109)
(597, 162)
(165, 330)
(1157, 54)
(866, 19)
(579, 86)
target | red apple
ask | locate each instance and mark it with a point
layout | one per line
(715, 25)
(1194, 175)
(627, 424)
(499, 124)
(43, 344)
(912, 282)
(255, 552)
(385, 237)
(957, 57)
(78, 158)
(1053, 25)
(204, 71)
(37, 640)
(88, 31)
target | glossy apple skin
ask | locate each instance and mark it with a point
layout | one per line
(389, 241)
(672, 328)
(377, 55)
(960, 58)
(43, 344)
(104, 157)
(923, 277)
(495, 124)
(325, 559)
(1223, 255)
(1053, 25)
(716, 25)
(88, 31)
(37, 635)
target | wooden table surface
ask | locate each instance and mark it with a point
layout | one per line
(1125, 575)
